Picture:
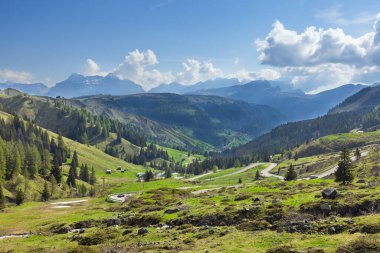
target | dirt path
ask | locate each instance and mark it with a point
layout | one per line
(199, 176)
(66, 204)
(266, 172)
(268, 168)
(14, 236)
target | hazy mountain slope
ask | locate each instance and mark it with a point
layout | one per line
(295, 105)
(211, 119)
(43, 111)
(32, 89)
(182, 89)
(78, 85)
(368, 97)
(361, 110)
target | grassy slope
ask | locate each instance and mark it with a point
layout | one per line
(99, 160)
(179, 155)
(335, 142)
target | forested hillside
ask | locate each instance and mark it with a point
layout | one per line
(35, 166)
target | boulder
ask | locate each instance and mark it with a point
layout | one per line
(276, 201)
(361, 181)
(329, 193)
(127, 231)
(170, 211)
(325, 207)
(142, 231)
(257, 199)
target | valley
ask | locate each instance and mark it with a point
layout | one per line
(201, 169)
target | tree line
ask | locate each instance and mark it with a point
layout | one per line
(28, 154)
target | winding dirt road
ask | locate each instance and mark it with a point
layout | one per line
(266, 172)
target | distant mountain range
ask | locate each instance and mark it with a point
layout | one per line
(78, 85)
(32, 89)
(294, 104)
(182, 89)
(359, 111)
(215, 120)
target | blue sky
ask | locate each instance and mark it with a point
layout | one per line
(48, 40)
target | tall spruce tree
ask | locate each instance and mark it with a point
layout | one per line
(56, 170)
(291, 174)
(71, 177)
(344, 173)
(92, 177)
(2, 198)
(45, 195)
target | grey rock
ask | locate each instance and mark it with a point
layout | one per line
(142, 231)
(329, 193)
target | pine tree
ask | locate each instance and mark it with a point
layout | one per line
(344, 173)
(45, 164)
(71, 177)
(53, 183)
(257, 176)
(56, 170)
(168, 173)
(74, 162)
(240, 181)
(92, 191)
(84, 174)
(20, 197)
(2, 198)
(3, 160)
(357, 154)
(45, 195)
(291, 174)
(92, 177)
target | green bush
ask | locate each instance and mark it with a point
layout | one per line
(365, 244)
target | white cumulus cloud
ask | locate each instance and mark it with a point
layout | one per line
(318, 59)
(137, 67)
(7, 75)
(195, 71)
(93, 69)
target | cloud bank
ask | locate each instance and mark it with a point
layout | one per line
(7, 75)
(318, 59)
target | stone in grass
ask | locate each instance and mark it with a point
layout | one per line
(170, 211)
(127, 231)
(325, 207)
(142, 231)
(257, 199)
(329, 193)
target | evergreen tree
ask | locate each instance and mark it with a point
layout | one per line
(20, 197)
(45, 195)
(84, 174)
(240, 181)
(357, 154)
(148, 175)
(2, 198)
(168, 173)
(92, 177)
(74, 161)
(291, 174)
(53, 183)
(344, 173)
(71, 177)
(56, 170)
(92, 191)
(257, 176)
(45, 164)
(3, 160)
